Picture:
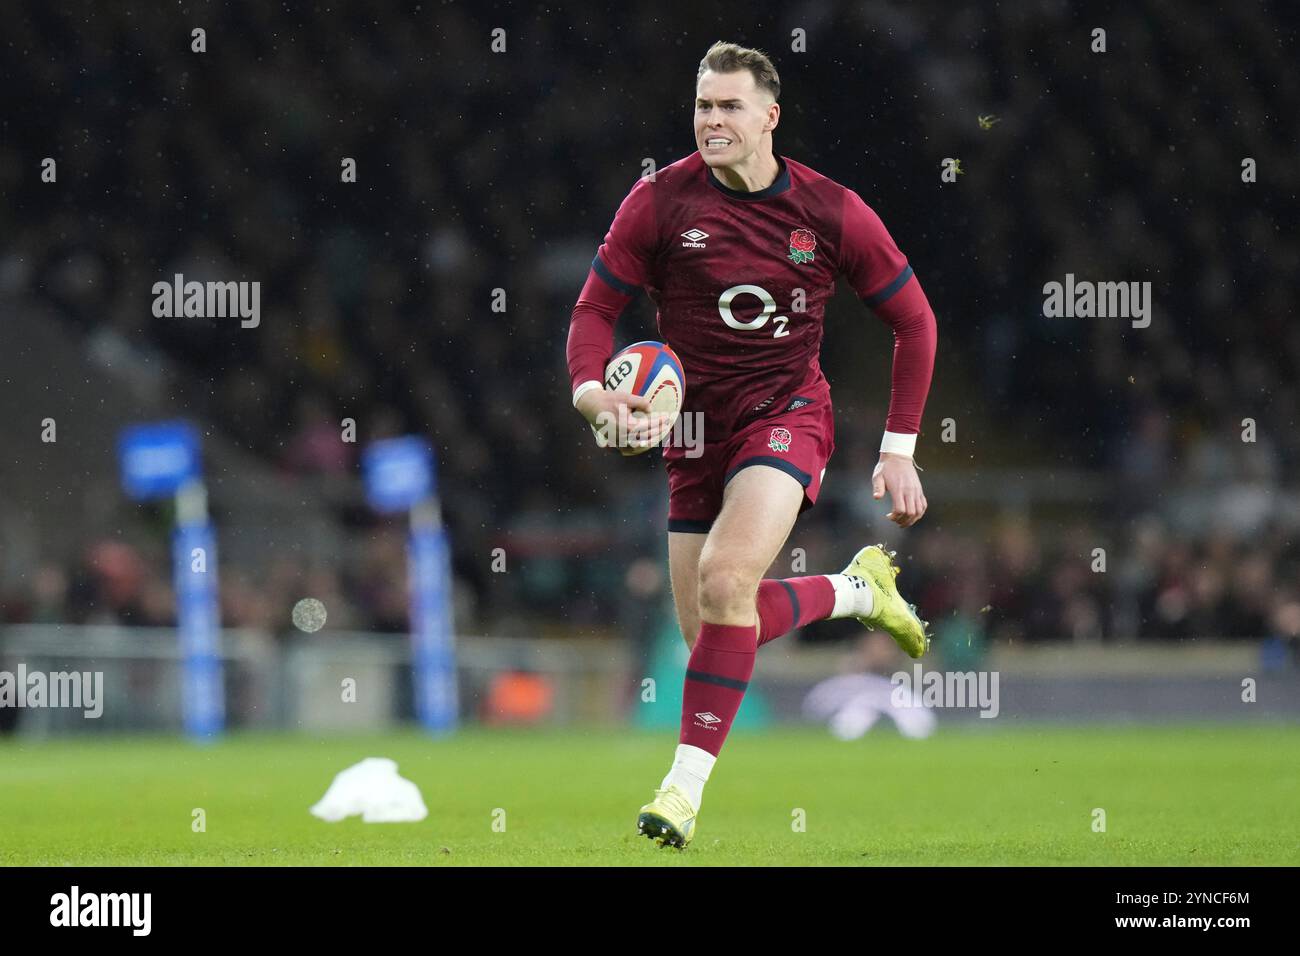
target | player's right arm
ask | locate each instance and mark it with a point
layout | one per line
(621, 267)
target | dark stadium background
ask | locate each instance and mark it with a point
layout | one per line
(479, 171)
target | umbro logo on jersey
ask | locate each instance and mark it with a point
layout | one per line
(709, 718)
(695, 238)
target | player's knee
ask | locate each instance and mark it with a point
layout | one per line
(725, 588)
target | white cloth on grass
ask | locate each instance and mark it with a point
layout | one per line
(374, 790)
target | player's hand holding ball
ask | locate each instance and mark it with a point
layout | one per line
(638, 407)
(615, 415)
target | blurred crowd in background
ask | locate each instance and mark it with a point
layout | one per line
(481, 171)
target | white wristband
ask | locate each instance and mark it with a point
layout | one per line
(895, 443)
(584, 388)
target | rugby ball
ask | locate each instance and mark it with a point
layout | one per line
(651, 369)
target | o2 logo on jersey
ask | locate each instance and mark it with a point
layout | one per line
(758, 321)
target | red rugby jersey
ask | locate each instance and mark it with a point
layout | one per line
(725, 269)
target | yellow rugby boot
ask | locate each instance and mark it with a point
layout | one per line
(890, 613)
(668, 819)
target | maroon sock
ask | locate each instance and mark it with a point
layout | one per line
(716, 677)
(787, 603)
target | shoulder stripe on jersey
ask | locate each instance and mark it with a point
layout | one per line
(618, 284)
(890, 289)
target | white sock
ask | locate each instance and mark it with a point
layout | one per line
(852, 597)
(690, 771)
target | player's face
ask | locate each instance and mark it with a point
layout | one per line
(731, 116)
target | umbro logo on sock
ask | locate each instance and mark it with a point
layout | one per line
(709, 719)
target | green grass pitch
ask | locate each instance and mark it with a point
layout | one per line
(1174, 795)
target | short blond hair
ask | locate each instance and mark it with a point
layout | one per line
(732, 58)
